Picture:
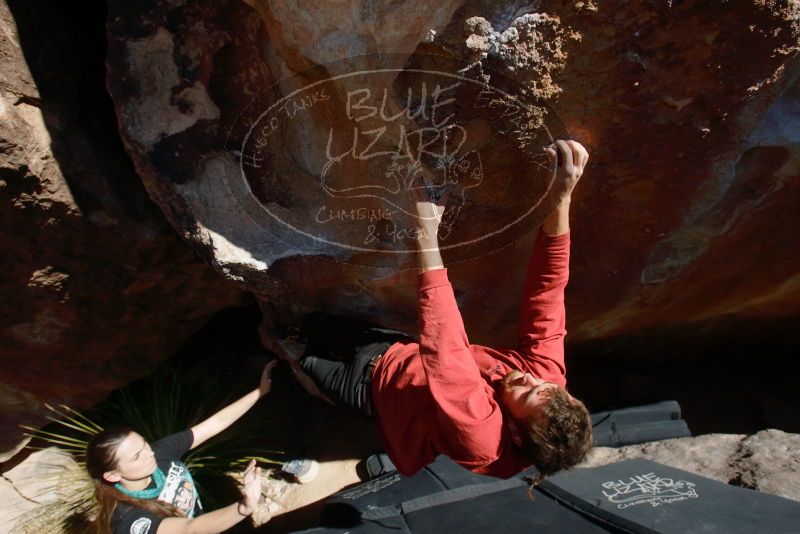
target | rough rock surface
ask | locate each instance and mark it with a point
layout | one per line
(97, 288)
(41, 473)
(46, 482)
(687, 213)
(768, 461)
(14, 505)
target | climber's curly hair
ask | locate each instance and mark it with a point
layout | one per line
(559, 435)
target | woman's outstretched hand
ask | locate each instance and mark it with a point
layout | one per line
(251, 489)
(265, 385)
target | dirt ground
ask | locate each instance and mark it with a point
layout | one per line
(334, 437)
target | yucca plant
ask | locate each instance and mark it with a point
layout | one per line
(164, 405)
(64, 490)
(174, 399)
(171, 400)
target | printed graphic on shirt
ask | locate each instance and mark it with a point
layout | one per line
(649, 488)
(179, 490)
(141, 526)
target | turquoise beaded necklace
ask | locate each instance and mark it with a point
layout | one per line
(152, 493)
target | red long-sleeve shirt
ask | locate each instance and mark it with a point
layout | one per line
(438, 396)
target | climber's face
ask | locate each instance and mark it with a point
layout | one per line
(135, 461)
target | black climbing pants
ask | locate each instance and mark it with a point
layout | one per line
(339, 355)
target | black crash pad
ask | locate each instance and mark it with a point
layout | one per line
(639, 424)
(444, 497)
(642, 496)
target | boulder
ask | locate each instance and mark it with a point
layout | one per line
(238, 117)
(685, 216)
(767, 461)
(97, 287)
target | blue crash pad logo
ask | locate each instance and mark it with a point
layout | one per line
(649, 488)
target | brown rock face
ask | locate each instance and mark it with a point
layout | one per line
(286, 144)
(96, 286)
(687, 212)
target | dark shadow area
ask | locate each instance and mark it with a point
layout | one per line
(731, 375)
(65, 45)
(224, 360)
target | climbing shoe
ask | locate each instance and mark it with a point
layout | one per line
(303, 470)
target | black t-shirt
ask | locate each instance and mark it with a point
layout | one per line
(179, 488)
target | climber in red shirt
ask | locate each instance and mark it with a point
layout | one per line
(494, 411)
